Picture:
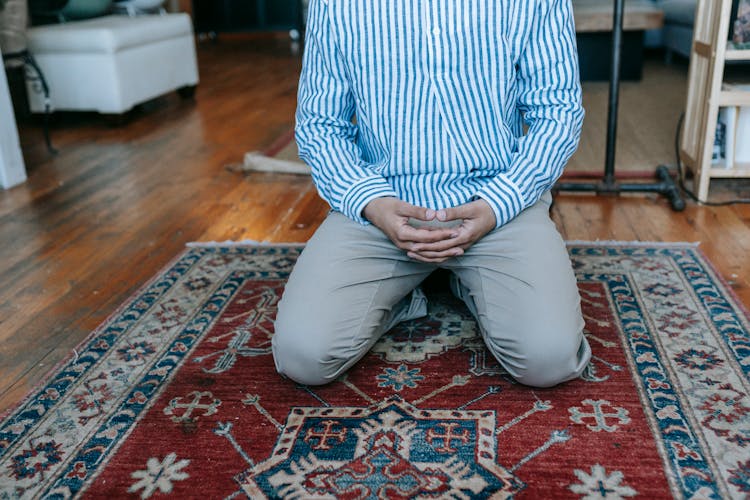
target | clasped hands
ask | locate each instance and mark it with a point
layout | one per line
(436, 245)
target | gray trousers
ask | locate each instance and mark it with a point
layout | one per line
(351, 284)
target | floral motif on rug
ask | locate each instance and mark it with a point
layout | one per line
(177, 394)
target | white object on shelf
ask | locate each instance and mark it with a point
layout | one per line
(732, 140)
(718, 156)
(725, 137)
(742, 136)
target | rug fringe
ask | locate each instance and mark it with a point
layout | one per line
(231, 243)
(615, 243)
(242, 243)
(258, 162)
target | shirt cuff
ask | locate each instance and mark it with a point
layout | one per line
(363, 192)
(504, 197)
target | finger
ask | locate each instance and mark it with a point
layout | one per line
(406, 246)
(452, 213)
(420, 258)
(405, 209)
(445, 254)
(440, 246)
(461, 239)
(406, 233)
(426, 254)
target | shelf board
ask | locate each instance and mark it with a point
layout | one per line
(740, 170)
(733, 54)
(730, 97)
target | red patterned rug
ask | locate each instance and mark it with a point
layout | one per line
(177, 394)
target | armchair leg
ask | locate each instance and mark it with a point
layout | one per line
(33, 73)
(187, 92)
(668, 56)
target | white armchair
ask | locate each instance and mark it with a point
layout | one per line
(110, 64)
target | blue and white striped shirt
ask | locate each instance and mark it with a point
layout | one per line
(440, 90)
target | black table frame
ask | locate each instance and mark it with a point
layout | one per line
(204, 27)
(665, 184)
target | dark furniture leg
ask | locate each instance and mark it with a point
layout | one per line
(35, 75)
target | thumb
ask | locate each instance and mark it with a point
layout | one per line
(452, 213)
(405, 209)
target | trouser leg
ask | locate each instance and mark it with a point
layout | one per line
(350, 284)
(519, 283)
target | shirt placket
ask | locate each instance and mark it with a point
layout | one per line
(436, 32)
(433, 33)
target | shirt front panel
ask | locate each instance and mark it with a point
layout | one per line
(433, 84)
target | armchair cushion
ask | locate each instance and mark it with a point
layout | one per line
(84, 9)
(108, 34)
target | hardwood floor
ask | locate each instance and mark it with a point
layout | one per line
(93, 223)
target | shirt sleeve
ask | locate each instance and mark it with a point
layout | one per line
(549, 96)
(324, 131)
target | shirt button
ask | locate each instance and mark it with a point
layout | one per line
(436, 31)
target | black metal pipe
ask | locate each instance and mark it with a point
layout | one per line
(576, 186)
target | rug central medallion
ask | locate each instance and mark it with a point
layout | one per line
(389, 450)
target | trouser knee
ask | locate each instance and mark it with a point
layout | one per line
(545, 364)
(302, 361)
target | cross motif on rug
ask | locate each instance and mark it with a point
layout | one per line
(194, 404)
(324, 435)
(447, 437)
(599, 415)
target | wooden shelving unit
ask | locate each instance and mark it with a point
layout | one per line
(707, 92)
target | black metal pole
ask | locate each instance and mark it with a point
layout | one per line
(609, 184)
(614, 94)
